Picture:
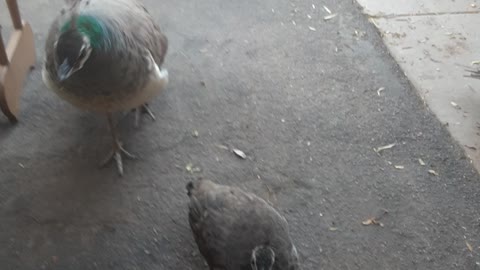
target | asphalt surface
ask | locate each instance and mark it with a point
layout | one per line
(302, 105)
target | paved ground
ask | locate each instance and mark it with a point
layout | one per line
(302, 105)
(433, 41)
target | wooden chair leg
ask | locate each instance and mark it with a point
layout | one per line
(3, 101)
(16, 59)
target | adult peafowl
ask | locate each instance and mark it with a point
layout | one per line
(106, 56)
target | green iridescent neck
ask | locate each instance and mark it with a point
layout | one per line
(93, 28)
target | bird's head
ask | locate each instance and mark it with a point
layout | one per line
(72, 50)
(263, 258)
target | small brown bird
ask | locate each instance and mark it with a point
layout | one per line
(236, 230)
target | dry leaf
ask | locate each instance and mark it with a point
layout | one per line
(380, 149)
(359, 34)
(455, 105)
(421, 162)
(471, 147)
(372, 221)
(327, 9)
(239, 153)
(379, 91)
(372, 21)
(469, 246)
(399, 167)
(329, 17)
(432, 172)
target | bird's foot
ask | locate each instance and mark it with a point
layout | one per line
(116, 154)
(144, 109)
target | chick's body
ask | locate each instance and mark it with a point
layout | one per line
(228, 223)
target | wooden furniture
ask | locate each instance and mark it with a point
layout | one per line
(16, 59)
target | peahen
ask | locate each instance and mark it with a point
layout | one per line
(106, 56)
(237, 230)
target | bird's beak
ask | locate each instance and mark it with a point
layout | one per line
(64, 71)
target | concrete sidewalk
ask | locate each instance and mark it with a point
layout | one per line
(433, 41)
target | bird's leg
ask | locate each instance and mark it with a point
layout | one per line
(117, 149)
(142, 110)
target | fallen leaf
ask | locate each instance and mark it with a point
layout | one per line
(399, 167)
(313, 6)
(189, 167)
(333, 229)
(327, 10)
(471, 147)
(372, 221)
(312, 28)
(329, 17)
(359, 34)
(469, 246)
(475, 62)
(455, 105)
(195, 133)
(379, 91)
(372, 21)
(381, 148)
(240, 153)
(432, 172)
(421, 162)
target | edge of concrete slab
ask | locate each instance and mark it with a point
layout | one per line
(415, 85)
